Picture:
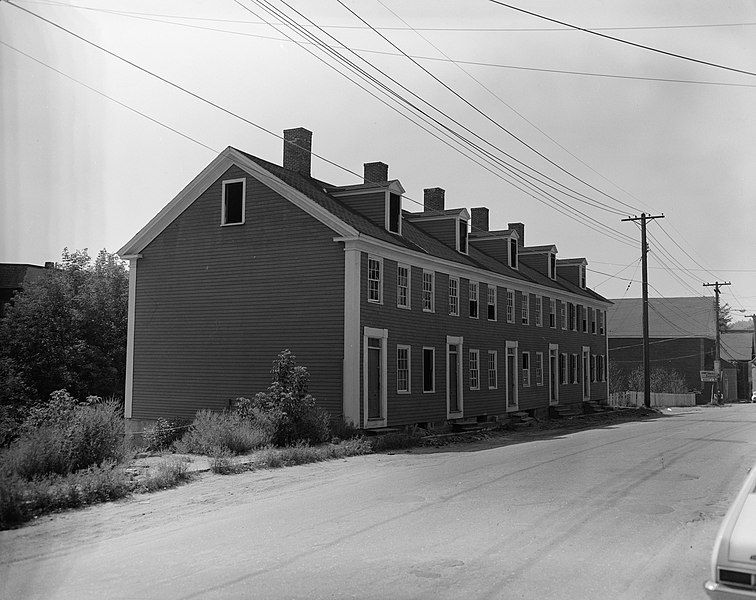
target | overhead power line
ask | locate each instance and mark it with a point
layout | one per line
(627, 42)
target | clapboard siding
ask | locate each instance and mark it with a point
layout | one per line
(215, 305)
(419, 329)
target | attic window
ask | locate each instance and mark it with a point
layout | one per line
(463, 236)
(582, 276)
(552, 265)
(394, 213)
(513, 253)
(233, 202)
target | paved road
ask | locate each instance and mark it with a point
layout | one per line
(625, 512)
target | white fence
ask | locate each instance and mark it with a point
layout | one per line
(657, 399)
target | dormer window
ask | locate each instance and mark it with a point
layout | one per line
(582, 276)
(462, 236)
(552, 265)
(232, 209)
(394, 213)
(513, 253)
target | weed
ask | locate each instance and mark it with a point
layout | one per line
(212, 430)
(169, 473)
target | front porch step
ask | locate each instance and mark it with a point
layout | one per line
(522, 419)
(566, 411)
(471, 425)
(593, 406)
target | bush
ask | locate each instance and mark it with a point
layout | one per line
(293, 411)
(65, 437)
(169, 473)
(227, 430)
(164, 433)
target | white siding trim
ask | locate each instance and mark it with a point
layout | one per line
(129, 391)
(351, 378)
(459, 342)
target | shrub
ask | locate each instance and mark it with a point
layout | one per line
(222, 462)
(341, 430)
(293, 411)
(169, 473)
(393, 441)
(164, 433)
(211, 431)
(65, 437)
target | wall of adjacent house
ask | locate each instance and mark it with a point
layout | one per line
(215, 305)
(687, 356)
(419, 329)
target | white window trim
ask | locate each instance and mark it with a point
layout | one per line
(380, 279)
(409, 368)
(553, 305)
(387, 214)
(492, 288)
(433, 350)
(371, 332)
(513, 243)
(495, 371)
(433, 291)
(510, 306)
(243, 181)
(585, 379)
(409, 286)
(563, 315)
(539, 377)
(552, 266)
(476, 353)
(466, 249)
(566, 362)
(459, 342)
(538, 310)
(474, 285)
(525, 308)
(456, 280)
(526, 372)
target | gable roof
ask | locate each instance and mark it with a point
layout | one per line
(691, 317)
(320, 200)
(737, 345)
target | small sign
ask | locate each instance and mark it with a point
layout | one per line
(708, 376)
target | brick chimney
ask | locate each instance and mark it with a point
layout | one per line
(297, 150)
(520, 229)
(433, 199)
(375, 172)
(479, 218)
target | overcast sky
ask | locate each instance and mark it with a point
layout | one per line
(624, 128)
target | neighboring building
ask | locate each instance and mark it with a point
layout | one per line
(400, 317)
(13, 277)
(737, 349)
(682, 335)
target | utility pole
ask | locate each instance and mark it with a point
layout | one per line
(717, 345)
(644, 270)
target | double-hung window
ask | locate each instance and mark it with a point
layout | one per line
(474, 357)
(493, 370)
(592, 318)
(563, 368)
(584, 317)
(574, 368)
(526, 369)
(525, 309)
(473, 300)
(594, 364)
(601, 320)
(552, 313)
(454, 296)
(571, 310)
(429, 369)
(538, 311)
(403, 286)
(510, 306)
(403, 369)
(428, 277)
(375, 283)
(539, 368)
(563, 314)
(491, 295)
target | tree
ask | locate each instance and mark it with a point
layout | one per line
(663, 380)
(725, 318)
(66, 330)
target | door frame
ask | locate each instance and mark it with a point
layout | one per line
(554, 375)
(515, 405)
(585, 367)
(382, 334)
(458, 342)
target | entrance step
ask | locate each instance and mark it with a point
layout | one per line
(473, 425)
(522, 419)
(593, 406)
(565, 411)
